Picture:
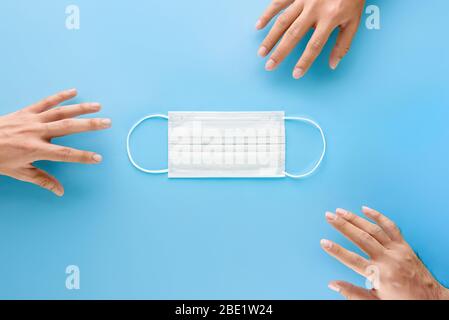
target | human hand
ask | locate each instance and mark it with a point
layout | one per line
(298, 18)
(25, 137)
(393, 268)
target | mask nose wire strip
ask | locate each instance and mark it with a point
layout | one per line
(323, 153)
(128, 149)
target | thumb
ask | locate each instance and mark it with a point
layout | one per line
(41, 179)
(352, 292)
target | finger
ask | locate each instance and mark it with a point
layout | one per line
(373, 229)
(284, 21)
(72, 111)
(312, 51)
(386, 224)
(65, 154)
(273, 9)
(352, 292)
(71, 126)
(52, 101)
(348, 258)
(361, 238)
(291, 38)
(343, 44)
(41, 179)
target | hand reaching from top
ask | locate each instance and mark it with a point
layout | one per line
(298, 18)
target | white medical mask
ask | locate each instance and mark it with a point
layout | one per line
(226, 145)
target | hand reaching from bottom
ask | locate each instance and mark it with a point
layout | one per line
(393, 268)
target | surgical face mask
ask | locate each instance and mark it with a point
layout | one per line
(226, 145)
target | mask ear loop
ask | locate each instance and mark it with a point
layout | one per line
(128, 149)
(315, 167)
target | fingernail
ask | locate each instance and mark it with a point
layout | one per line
(369, 211)
(71, 91)
(59, 192)
(298, 73)
(330, 216)
(258, 24)
(342, 212)
(334, 287)
(262, 51)
(334, 63)
(326, 244)
(97, 158)
(106, 122)
(270, 65)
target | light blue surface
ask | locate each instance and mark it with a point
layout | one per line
(133, 235)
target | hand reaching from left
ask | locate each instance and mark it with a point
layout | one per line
(25, 137)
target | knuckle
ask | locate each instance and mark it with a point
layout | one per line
(276, 56)
(365, 237)
(66, 153)
(342, 49)
(277, 3)
(349, 217)
(409, 257)
(85, 156)
(46, 184)
(53, 101)
(24, 147)
(340, 221)
(305, 62)
(391, 226)
(283, 21)
(336, 249)
(58, 113)
(293, 32)
(267, 42)
(84, 107)
(93, 123)
(66, 123)
(346, 292)
(333, 10)
(47, 101)
(317, 44)
(376, 230)
(333, 15)
(359, 262)
(28, 129)
(27, 146)
(311, 5)
(47, 128)
(265, 18)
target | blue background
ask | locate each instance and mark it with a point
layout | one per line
(133, 235)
